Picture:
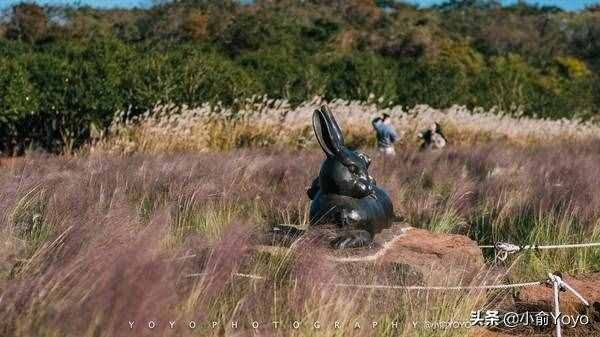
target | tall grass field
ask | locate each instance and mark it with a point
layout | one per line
(139, 233)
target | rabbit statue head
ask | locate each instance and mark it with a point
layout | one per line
(344, 172)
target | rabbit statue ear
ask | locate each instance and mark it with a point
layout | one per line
(337, 132)
(326, 134)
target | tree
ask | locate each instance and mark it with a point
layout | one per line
(28, 23)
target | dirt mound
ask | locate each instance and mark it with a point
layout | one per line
(588, 285)
(539, 299)
(416, 257)
(402, 255)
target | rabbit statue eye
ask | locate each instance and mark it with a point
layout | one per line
(365, 158)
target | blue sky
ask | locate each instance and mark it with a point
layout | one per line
(566, 4)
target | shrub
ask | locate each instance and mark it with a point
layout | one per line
(18, 100)
(358, 76)
(28, 23)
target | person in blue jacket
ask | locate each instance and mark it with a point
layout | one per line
(386, 135)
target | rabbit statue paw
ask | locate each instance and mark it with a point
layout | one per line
(351, 239)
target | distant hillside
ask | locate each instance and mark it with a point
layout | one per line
(66, 72)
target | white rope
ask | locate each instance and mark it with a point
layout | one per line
(571, 245)
(479, 287)
(555, 280)
(366, 258)
(250, 276)
(373, 257)
(503, 249)
(255, 277)
(191, 256)
(397, 287)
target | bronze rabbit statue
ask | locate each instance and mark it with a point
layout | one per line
(345, 194)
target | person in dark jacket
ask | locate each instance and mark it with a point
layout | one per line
(386, 135)
(433, 138)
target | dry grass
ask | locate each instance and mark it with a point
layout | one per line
(87, 242)
(261, 122)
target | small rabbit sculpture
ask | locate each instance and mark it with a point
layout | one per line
(345, 194)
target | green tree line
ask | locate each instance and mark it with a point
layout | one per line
(65, 72)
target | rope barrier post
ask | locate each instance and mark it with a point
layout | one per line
(555, 279)
(558, 285)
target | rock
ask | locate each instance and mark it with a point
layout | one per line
(401, 255)
(418, 257)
